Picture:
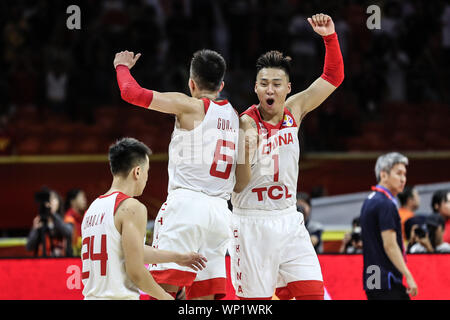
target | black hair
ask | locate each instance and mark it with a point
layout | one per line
(305, 197)
(406, 194)
(126, 154)
(208, 69)
(274, 59)
(437, 198)
(433, 222)
(71, 194)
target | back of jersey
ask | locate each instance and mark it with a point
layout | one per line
(204, 159)
(103, 274)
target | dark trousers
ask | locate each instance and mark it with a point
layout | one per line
(397, 292)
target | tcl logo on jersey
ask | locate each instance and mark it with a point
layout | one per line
(274, 192)
(278, 140)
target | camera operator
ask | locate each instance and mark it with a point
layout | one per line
(429, 236)
(352, 242)
(49, 235)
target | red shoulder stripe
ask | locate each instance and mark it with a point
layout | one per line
(119, 199)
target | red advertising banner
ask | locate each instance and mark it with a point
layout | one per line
(60, 279)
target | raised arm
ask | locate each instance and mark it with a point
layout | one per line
(333, 71)
(167, 102)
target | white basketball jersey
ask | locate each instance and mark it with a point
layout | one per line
(204, 159)
(103, 273)
(273, 185)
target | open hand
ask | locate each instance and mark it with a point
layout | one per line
(193, 260)
(126, 58)
(322, 24)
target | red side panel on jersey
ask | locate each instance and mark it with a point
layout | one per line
(120, 197)
(206, 103)
(287, 121)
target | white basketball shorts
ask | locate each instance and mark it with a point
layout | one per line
(193, 221)
(272, 250)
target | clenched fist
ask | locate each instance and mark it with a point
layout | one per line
(126, 58)
(322, 24)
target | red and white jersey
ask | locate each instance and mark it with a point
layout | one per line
(273, 185)
(204, 159)
(103, 274)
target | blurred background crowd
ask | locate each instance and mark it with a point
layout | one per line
(53, 74)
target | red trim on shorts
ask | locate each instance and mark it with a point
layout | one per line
(174, 277)
(242, 298)
(216, 286)
(300, 288)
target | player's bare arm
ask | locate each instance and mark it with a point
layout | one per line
(303, 102)
(131, 221)
(192, 260)
(187, 109)
(248, 142)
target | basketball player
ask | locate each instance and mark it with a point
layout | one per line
(113, 233)
(202, 161)
(272, 248)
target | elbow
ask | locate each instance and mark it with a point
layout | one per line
(135, 275)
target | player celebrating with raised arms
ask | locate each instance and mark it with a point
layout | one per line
(272, 248)
(202, 162)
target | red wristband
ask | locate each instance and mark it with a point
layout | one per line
(130, 90)
(333, 69)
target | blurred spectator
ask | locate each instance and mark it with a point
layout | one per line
(409, 203)
(49, 235)
(352, 242)
(430, 239)
(7, 141)
(314, 228)
(440, 203)
(412, 232)
(75, 207)
(56, 87)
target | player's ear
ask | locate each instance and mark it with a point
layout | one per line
(221, 86)
(136, 172)
(289, 87)
(192, 85)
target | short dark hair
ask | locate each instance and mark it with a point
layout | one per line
(125, 154)
(406, 194)
(274, 59)
(437, 198)
(304, 197)
(208, 69)
(70, 195)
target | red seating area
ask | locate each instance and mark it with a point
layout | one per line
(405, 127)
(402, 127)
(52, 134)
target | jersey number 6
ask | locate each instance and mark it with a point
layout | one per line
(218, 155)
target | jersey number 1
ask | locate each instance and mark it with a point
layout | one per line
(218, 155)
(102, 256)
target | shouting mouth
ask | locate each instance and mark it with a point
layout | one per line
(270, 102)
